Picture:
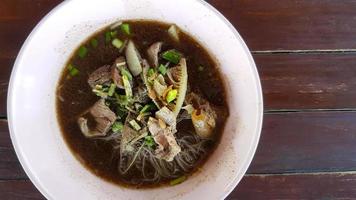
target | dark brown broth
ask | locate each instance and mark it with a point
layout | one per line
(97, 155)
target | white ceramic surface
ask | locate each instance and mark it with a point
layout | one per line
(31, 99)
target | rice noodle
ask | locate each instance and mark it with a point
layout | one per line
(153, 170)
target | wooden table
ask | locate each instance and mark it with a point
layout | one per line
(305, 51)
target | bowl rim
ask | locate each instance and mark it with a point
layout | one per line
(24, 46)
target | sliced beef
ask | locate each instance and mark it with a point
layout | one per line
(97, 121)
(115, 73)
(100, 76)
(164, 136)
(152, 53)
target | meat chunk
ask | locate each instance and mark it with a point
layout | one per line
(115, 73)
(167, 145)
(97, 120)
(203, 115)
(152, 53)
(100, 76)
(168, 117)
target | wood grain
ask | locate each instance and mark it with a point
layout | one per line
(5, 71)
(19, 190)
(10, 167)
(308, 81)
(17, 19)
(301, 24)
(306, 142)
(329, 186)
(296, 148)
(290, 25)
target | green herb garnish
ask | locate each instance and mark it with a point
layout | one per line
(94, 42)
(149, 141)
(150, 72)
(73, 71)
(111, 89)
(171, 95)
(82, 51)
(117, 127)
(162, 69)
(178, 180)
(107, 37)
(122, 100)
(127, 86)
(100, 93)
(113, 34)
(124, 72)
(125, 28)
(117, 43)
(146, 108)
(172, 56)
(135, 125)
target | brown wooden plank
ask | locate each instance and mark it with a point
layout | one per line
(19, 190)
(10, 167)
(5, 71)
(255, 187)
(302, 24)
(330, 186)
(17, 19)
(25, 9)
(307, 81)
(316, 141)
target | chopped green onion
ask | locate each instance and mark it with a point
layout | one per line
(113, 34)
(73, 71)
(122, 100)
(117, 43)
(146, 108)
(105, 89)
(149, 141)
(107, 37)
(82, 52)
(178, 180)
(162, 69)
(172, 56)
(100, 93)
(200, 68)
(171, 95)
(150, 72)
(135, 125)
(117, 127)
(121, 112)
(124, 72)
(127, 86)
(94, 42)
(125, 28)
(111, 89)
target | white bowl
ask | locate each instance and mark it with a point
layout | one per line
(31, 100)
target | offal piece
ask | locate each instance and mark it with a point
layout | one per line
(96, 121)
(164, 136)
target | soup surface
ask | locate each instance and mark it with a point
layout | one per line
(141, 104)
